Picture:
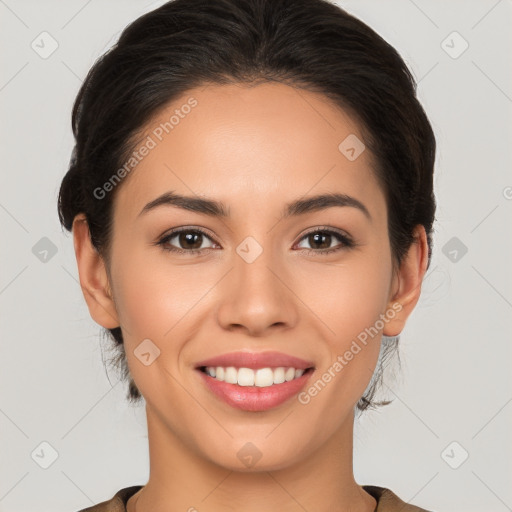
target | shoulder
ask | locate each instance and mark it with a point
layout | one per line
(388, 501)
(117, 503)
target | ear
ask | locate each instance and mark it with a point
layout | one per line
(93, 276)
(406, 285)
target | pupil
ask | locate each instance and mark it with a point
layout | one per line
(317, 236)
(187, 238)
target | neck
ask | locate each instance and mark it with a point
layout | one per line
(181, 480)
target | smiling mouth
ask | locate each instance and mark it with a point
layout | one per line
(260, 377)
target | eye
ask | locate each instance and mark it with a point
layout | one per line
(190, 240)
(321, 239)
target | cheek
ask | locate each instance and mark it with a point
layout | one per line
(153, 295)
(349, 300)
(155, 301)
(356, 297)
(346, 298)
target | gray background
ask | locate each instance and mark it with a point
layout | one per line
(455, 380)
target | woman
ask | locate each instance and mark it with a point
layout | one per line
(251, 201)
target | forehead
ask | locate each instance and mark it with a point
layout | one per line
(265, 143)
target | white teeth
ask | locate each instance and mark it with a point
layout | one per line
(290, 374)
(262, 377)
(245, 377)
(230, 375)
(278, 375)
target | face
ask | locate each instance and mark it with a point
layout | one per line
(307, 283)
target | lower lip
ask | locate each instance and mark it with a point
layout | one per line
(254, 398)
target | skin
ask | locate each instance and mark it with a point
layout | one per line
(255, 149)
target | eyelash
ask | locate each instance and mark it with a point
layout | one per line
(346, 241)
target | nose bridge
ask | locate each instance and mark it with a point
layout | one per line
(256, 283)
(256, 297)
(253, 262)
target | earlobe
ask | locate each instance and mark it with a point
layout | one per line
(93, 276)
(407, 283)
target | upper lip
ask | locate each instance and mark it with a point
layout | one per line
(257, 360)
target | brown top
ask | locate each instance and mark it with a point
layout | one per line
(387, 501)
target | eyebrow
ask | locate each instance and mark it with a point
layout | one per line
(218, 209)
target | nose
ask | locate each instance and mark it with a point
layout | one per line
(257, 297)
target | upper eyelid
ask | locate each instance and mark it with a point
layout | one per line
(336, 231)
